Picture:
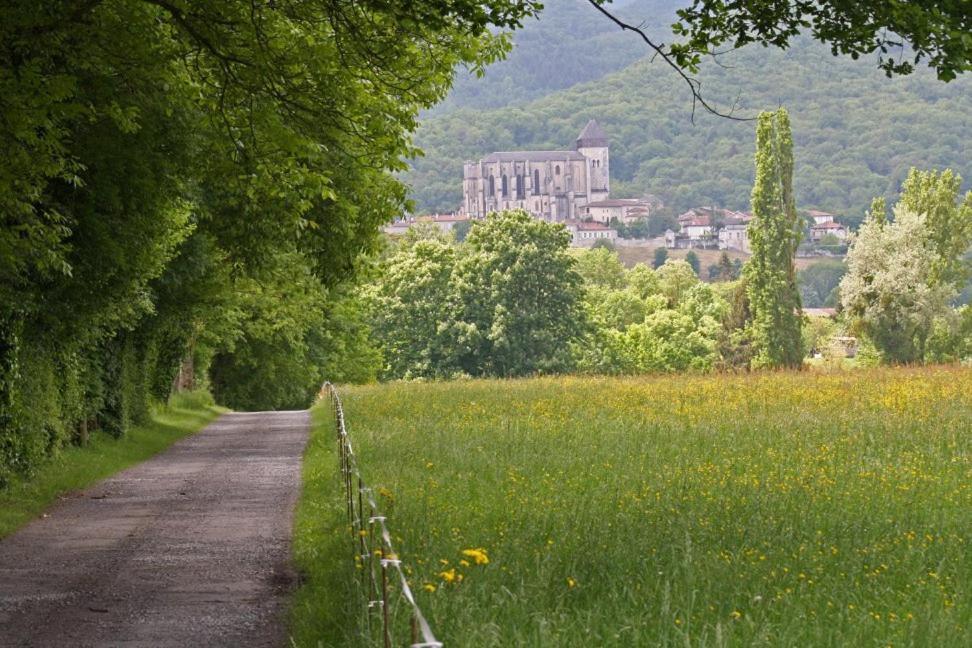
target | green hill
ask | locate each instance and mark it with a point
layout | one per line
(856, 131)
(584, 45)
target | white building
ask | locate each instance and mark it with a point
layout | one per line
(587, 233)
(818, 232)
(552, 185)
(734, 237)
(625, 210)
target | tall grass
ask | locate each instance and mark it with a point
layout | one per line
(769, 509)
(75, 468)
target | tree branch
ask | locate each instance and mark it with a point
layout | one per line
(695, 86)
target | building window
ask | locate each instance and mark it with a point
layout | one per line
(492, 186)
(505, 186)
(557, 170)
(520, 187)
(536, 182)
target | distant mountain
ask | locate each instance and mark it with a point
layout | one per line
(856, 132)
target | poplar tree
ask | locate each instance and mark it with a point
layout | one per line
(774, 235)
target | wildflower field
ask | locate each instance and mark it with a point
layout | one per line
(790, 509)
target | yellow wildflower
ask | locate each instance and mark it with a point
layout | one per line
(571, 583)
(478, 555)
(449, 576)
(429, 587)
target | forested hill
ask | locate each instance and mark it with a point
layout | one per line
(856, 131)
(585, 46)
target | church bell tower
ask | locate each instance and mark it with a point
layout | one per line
(592, 143)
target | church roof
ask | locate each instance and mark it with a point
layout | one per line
(592, 135)
(533, 156)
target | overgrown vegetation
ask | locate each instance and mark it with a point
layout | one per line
(184, 187)
(768, 509)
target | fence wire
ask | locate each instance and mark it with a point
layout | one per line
(372, 550)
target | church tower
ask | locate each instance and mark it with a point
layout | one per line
(592, 143)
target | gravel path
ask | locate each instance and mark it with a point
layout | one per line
(190, 548)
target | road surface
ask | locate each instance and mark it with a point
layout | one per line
(190, 548)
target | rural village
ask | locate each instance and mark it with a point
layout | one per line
(573, 187)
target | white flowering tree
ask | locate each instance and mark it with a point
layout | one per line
(890, 289)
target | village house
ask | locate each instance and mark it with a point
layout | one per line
(587, 233)
(735, 236)
(551, 185)
(625, 210)
(706, 228)
(820, 230)
(820, 217)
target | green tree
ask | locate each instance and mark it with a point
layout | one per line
(774, 235)
(890, 290)
(818, 283)
(661, 255)
(675, 279)
(724, 270)
(934, 29)
(693, 260)
(947, 220)
(902, 275)
(410, 310)
(171, 171)
(601, 267)
(643, 280)
(517, 297)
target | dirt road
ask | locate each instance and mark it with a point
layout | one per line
(190, 548)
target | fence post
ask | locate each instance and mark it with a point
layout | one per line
(367, 543)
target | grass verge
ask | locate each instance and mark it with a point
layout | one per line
(327, 596)
(75, 468)
(776, 509)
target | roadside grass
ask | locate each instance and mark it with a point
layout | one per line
(327, 597)
(75, 468)
(773, 509)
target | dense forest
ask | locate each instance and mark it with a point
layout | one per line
(585, 46)
(856, 132)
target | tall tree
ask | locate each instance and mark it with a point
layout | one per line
(947, 218)
(410, 307)
(774, 235)
(518, 297)
(903, 274)
(257, 138)
(889, 291)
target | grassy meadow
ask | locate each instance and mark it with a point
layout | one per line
(782, 509)
(76, 467)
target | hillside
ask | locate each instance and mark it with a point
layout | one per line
(584, 45)
(856, 131)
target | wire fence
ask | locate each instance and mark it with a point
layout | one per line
(382, 580)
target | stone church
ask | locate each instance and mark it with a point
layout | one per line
(552, 185)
